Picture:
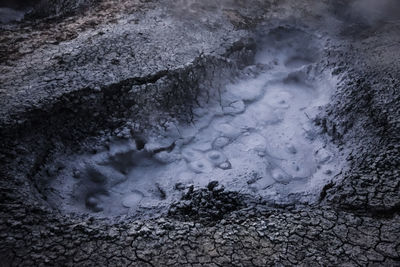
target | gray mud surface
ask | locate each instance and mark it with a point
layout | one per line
(98, 84)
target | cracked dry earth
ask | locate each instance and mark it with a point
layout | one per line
(136, 69)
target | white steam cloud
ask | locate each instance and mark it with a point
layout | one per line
(374, 11)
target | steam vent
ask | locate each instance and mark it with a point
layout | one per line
(199, 133)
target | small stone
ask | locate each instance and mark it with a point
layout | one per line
(179, 186)
(76, 173)
(212, 185)
(225, 166)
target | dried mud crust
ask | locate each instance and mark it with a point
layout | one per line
(250, 238)
(365, 116)
(356, 223)
(18, 40)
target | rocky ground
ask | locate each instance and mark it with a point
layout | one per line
(69, 81)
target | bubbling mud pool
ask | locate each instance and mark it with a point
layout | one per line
(254, 136)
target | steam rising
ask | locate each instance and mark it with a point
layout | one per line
(361, 11)
(8, 15)
(368, 11)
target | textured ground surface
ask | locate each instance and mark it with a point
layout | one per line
(67, 83)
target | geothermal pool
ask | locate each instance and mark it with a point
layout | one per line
(254, 136)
